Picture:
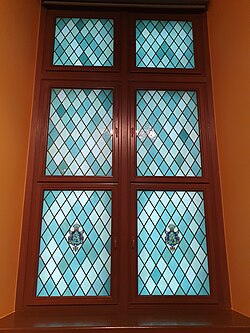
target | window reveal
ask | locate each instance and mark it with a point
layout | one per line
(80, 178)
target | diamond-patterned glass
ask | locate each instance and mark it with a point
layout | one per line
(164, 44)
(167, 130)
(84, 42)
(80, 133)
(162, 271)
(61, 270)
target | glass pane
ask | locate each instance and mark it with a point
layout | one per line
(84, 42)
(167, 141)
(80, 133)
(164, 44)
(75, 245)
(172, 250)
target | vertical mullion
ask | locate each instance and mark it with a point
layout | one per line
(124, 166)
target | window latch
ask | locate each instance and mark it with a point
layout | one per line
(115, 243)
(133, 243)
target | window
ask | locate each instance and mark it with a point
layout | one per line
(124, 207)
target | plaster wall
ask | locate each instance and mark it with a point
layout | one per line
(229, 45)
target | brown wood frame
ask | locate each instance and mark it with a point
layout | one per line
(197, 42)
(48, 52)
(43, 131)
(32, 265)
(203, 131)
(123, 78)
(211, 246)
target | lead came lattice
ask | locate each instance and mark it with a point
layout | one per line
(168, 142)
(84, 42)
(63, 270)
(80, 133)
(164, 44)
(166, 272)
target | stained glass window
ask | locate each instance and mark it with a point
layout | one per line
(168, 142)
(75, 270)
(80, 133)
(164, 44)
(86, 172)
(172, 248)
(84, 42)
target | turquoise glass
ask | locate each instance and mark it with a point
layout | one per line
(80, 133)
(167, 128)
(84, 42)
(85, 270)
(164, 44)
(165, 270)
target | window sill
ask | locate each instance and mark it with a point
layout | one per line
(174, 320)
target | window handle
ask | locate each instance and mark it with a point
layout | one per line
(132, 132)
(115, 243)
(133, 242)
(114, 132)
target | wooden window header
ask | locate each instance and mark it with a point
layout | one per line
(172, 4)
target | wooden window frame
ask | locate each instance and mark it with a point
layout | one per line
(203, 131)
(32, 264)
(50, 24)
(197, 40)
(211, 246)
(47, 86)
(125, 79)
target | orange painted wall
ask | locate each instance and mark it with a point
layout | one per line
(229, 34)
(18, 38)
